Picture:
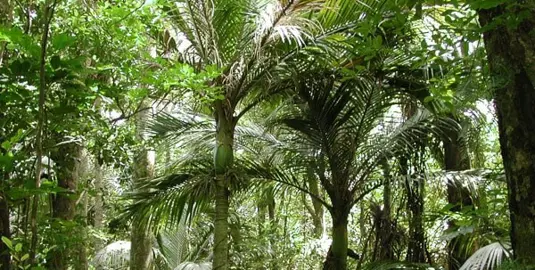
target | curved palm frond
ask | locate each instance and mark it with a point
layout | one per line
(114, 256)
(397, 265)
(174, 245)
(167, 200)
(488, 257)
(403, 138)
(194, 266)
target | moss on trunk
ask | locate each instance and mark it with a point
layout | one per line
(67, 158)
(511, 54)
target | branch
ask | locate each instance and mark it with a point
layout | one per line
(125, 116)
(48, 15)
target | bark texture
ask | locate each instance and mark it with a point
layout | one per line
(510, 43)
(141, 239)
(68, 168)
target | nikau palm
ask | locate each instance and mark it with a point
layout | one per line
(250, 41)
(340, 121)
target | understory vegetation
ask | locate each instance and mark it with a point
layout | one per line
(267, 134)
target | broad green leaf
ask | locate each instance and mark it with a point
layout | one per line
(18, 247)
(62, 41)
(24, 257)
(8, 242)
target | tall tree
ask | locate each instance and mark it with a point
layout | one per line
(337, 119)
(6, 11)
(143, 171)
(67, 157)
(250, 42)
(510, 43)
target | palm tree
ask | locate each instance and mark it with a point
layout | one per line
(252, 43)
(340, 120)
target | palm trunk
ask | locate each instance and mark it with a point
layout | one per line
(510, 51)
(337, 255)
(223, 160)
(67, 157)
(456, 158)
(141, 240)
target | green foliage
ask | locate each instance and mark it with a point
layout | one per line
(20, 258)
(321, 89)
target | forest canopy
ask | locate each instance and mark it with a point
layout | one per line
(267, 134)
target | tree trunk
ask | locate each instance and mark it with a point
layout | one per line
(317, 216)
(6, 11)
(98, 207)
(6, 14)
(272, 231)
(456, 158)
(415, 208)
(5, 257)
(337, 255)
(82, 263)
(67, 157)
(384, 250)
(223, 160)
(141, 239)
(511, 54)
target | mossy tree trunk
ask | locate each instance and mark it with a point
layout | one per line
(68, 163)
(223, 160)
(141, 239)
(510, 49)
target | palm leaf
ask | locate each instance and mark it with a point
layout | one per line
(488, 257)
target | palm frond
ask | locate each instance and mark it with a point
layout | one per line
(402, 138)
(173, 245)
(397, 265)
(488, 257)
(194, 266)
